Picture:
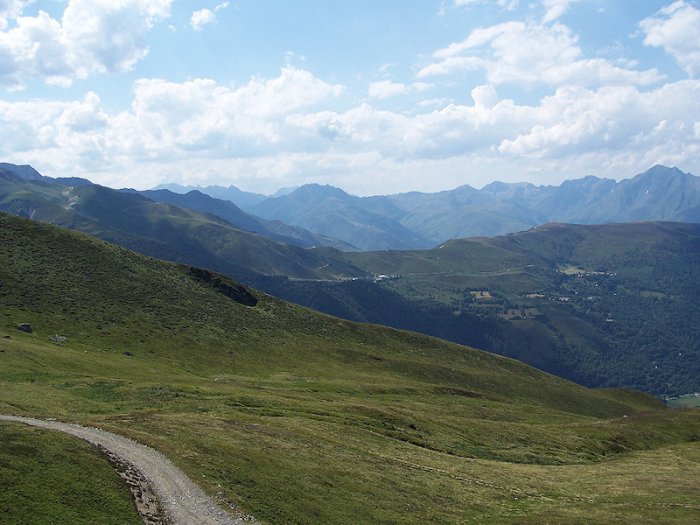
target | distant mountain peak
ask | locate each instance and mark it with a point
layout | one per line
(24, 171)
(320, 190)
(661, 170)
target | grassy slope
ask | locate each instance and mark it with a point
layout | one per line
(163, 230)
(49, 475)
(646, 285)
(299, 417)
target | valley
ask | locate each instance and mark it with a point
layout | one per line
(348, 263)
(295, 416)
(603, 305)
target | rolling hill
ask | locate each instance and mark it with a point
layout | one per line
(608, 305)
(298, 417)
(613, 305)
(163, 230)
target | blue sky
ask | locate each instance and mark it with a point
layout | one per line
(377, 96)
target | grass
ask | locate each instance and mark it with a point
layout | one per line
(298, 417)
(616, 303)
(49, 477)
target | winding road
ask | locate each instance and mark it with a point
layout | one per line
(182, 501)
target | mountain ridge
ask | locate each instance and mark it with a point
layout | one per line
(163, 230)
(336, 213)
(419, 220)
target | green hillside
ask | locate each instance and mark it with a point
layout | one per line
(163, 230)
(49, 475)
(612, 305)
(303, 418)
(605, 306)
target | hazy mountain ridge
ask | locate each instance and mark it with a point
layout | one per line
(337, 214)
(421, 220)
(26, 172)
(418, 220)
(197, 201)
(163, 230)
(227, 210)
(240, 198)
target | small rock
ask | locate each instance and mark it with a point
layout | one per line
(6, 337)
(59, 339)
(25, 327)
(128, 354)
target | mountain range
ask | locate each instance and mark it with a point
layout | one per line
(240, 198)
(167, 231)
(422, 220)
(227, 210)
(611, 305)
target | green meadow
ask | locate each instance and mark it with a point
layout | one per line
(299, 417)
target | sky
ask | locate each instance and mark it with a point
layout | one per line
(373, 96)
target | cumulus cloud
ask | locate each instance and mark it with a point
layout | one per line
(64, 132)
(175, 120)
(281, 130)
(92, 36)
(387, 89)
(555, 9)
(526, 53)
(9, 10)
(205, 17)
(202, 18)
(675, 29)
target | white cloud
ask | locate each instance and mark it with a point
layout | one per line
(93, 36)
(280, 131)
(387, 89)
(508, 5)
(612, 121)
(109, 35)
(202, 18)
(555, 9)
(33, 48)
(531, 54)
(173, 120)
(675, 29)
(11, 9)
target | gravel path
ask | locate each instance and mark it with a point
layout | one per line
(146, 470)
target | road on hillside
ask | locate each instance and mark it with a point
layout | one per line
(182, 501)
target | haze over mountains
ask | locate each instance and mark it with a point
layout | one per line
(163, 230)
(613, 305)
(231, 193)
(422, 220)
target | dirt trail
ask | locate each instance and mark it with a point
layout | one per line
(147, 471)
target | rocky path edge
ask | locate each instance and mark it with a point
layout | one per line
(178, 500)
